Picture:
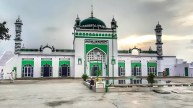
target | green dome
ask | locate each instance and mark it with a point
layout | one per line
(92, 23)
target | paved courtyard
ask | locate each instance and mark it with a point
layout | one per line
(69, 93)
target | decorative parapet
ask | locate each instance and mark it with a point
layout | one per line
(123, 51)
(140, 51)
(64, 50)
(149, 52)
(95, 35)
(29, 50)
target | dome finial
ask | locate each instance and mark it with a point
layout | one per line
(77, 17)
(113, 18)
(91, 10)
(158, 21)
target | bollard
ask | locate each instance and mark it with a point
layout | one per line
(106, 88)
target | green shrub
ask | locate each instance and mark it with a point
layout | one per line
(98, 73)
(150, 78)
(84, 77)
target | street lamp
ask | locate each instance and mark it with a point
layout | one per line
(113, 27)
(112, 61)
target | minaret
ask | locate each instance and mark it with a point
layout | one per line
(113, 24)
(158, 32)
(18, 40)
(77, 22)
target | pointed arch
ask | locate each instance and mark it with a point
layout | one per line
(96, 48)
(91, 55)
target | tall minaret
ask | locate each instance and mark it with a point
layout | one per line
(158, 32)
(18, 40)
(77, 22)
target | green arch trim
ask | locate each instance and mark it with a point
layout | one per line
(152, 64)
(135, 64)
(61, 62)
(90, 47)
(27, 62)
(49, 62)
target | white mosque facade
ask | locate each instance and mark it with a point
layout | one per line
(94, 49)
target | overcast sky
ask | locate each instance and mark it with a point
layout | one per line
(51, 22)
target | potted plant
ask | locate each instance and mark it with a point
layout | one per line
(84, 77)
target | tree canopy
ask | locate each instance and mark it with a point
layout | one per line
(4, 32)
(150, 78)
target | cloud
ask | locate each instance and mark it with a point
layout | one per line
(51, 29)
(186, 21)
(48, 21)
(190, 47)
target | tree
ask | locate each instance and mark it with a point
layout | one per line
(98, 72)
(150, 79)
(84, 77)
(4, 32)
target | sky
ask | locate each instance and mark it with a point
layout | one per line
(51, 22)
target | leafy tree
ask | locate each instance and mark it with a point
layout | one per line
(150, 79)
(98, 72)
(84, 77)
(4, 32)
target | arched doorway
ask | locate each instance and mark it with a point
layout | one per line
(121, 71)
(96, 59)
(27, 71)
(64, 70)
(46, 70)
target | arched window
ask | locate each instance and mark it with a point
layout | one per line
(27, 71)
(96, 54)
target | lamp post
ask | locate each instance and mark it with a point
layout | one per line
(112, 61)
(113, 27)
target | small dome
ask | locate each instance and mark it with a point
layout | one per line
(158, 25)
(92, 23)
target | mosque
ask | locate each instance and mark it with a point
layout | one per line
(94, 49)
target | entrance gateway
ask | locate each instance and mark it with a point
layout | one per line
(96, 57)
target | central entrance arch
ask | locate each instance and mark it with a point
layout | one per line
(96, 58)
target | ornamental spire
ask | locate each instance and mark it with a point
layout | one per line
(91, 10)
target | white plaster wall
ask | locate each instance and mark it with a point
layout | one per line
(169, 62)
(55, 64)
(190, 72)
(72, 67)
(115, 53)
(180, 69)
(79, 53)
(179, 61)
